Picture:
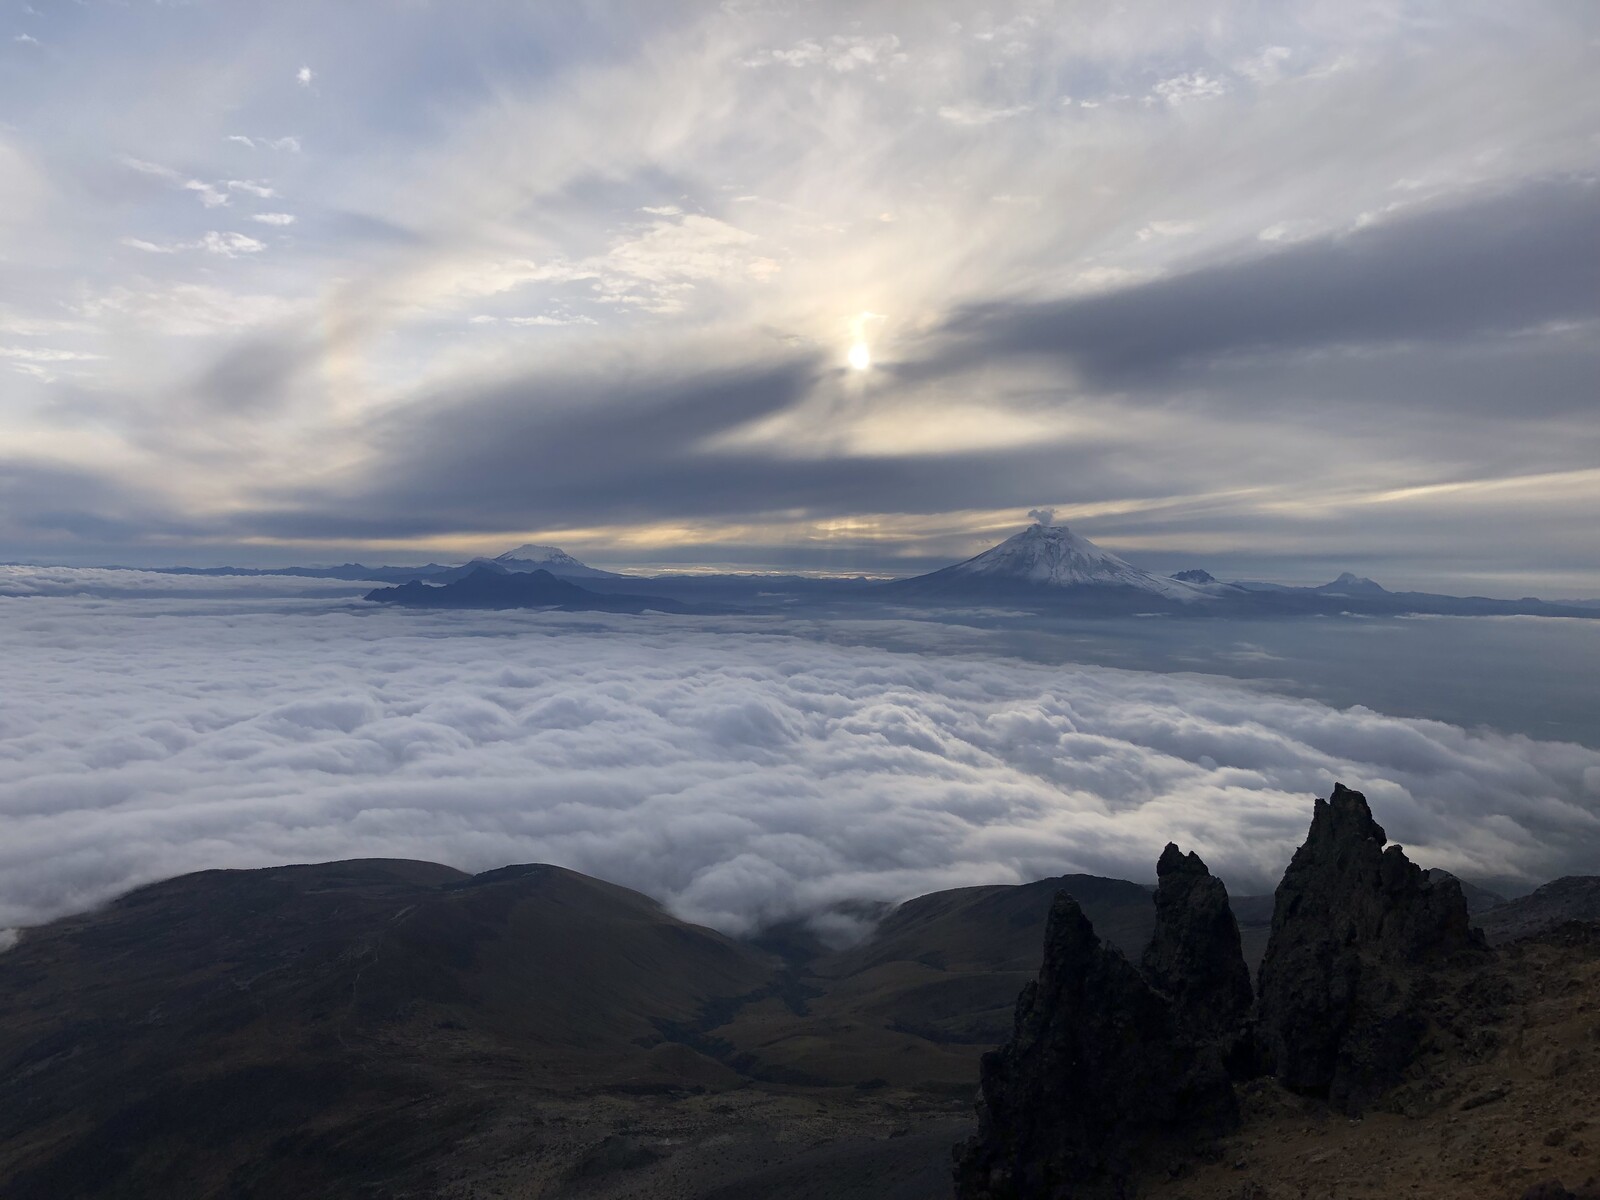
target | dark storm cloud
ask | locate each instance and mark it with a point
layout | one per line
(578, 447)
(43, 501)
(547, 444)
(256, 375)
(1507, 262)
(541, 449)
(464, 492)
(1548, 375)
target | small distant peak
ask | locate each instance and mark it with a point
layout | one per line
(1195, 575)
(1351, 579)
(1349, 583)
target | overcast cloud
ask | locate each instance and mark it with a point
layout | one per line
(738, 772)
(1278, 290)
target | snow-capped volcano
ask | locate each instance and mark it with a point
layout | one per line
(1350, 584)
(1046, 558)
(1054, 556)
(549, 558)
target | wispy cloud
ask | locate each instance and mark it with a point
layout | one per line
(226, 245)
(1196, 85)
(840, 53)
(289, 144)
(979, 114)
(746, 218)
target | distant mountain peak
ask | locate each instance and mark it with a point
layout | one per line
(532, 557)
(1054, 556)
(1350, 583)
(540, 554)
(1195, 575)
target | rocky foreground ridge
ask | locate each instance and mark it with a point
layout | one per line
(1371, 969)
(1106, 1059)
(401, 1030)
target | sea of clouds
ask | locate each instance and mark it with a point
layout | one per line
(741, 770)
(25, 580)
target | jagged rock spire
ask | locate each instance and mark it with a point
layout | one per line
(1107, 1064)
(1195, 959)
(1096, 1069)
(1358, 934)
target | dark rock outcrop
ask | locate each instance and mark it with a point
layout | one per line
(1096, 1069)
(1554, 1190)
(1479, 899)
(1570, 898)
(1195, 959)
(1359, 936)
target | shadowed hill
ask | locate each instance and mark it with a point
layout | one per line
(274, 1032)
(997, 928)
(1570, 898)
(395, 1025)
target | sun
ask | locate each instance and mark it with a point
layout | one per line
(860, 357)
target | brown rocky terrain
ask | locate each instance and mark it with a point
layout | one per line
(1573, 898)
(1395, 1052)
(528, 1032)
(1461, 1127)
(398, 1029)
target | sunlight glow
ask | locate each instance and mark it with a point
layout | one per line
(860, 356)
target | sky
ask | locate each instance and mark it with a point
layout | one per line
(741, 770)
(1277, 290)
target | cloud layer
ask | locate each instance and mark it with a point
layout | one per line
(738, 772)
(18, 581)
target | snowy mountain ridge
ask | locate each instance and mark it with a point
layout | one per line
(1054, 556)
(557, 561)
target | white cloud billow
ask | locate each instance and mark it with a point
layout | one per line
(738, 773)
(227, 245)
(24, 581)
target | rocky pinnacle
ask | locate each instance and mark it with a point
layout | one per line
(1096, 1070)
(1195, 960)
(1359, 934)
